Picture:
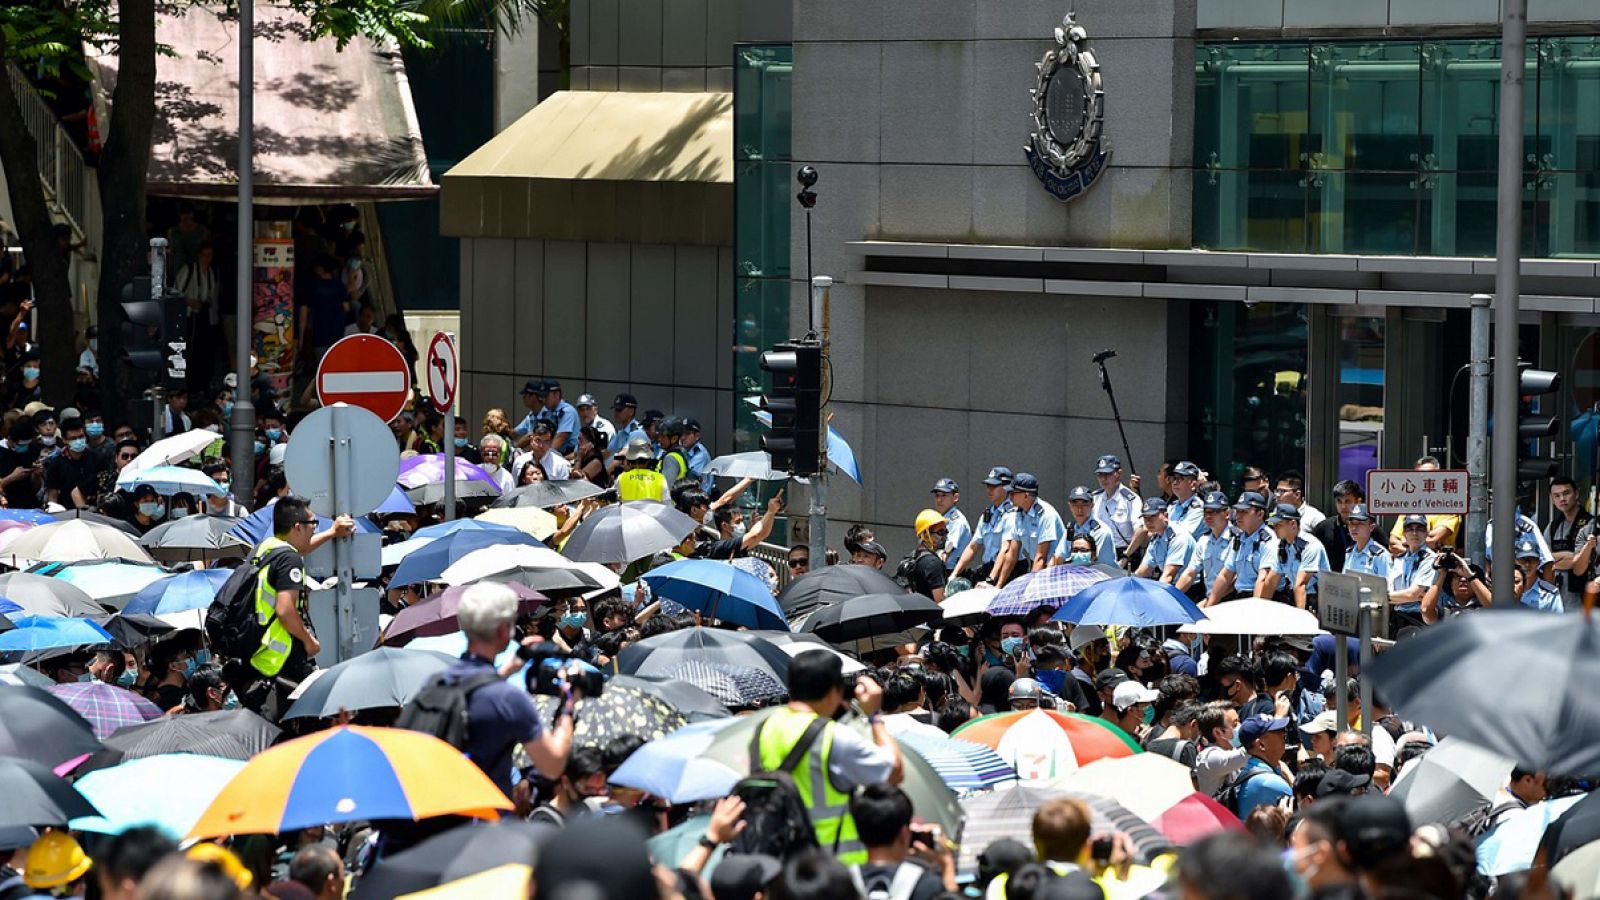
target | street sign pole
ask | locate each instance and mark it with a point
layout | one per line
(1341, 678)
(821, 291)
(442, 374)
(450, 464)
(1368, 612)
(1507, 288)
(244, 411)
(1478, 428)
(341, 460)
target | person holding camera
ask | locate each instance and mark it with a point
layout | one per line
(1456, 585)
(904, 861)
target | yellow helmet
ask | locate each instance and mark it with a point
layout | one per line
(55, 859)
(927, 519)
(207, 852)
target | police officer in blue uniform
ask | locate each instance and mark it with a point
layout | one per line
(562, 416)
(988, 539)
(1186, 513)
(625, 419)
(1115, 504)
(1036, 528)
(1532, 591)
(946, 496)
(1241, 564)
(1292, 559)
(1210, 551)
(1367, 556)
(1170, 547)
(699, 457)
(1082, 523)
(1414, 571)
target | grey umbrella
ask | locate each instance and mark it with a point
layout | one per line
(732, 685)
(545, 494)
(387, 676)
(39, 595)
(555, 584)
(628, 531)
(97, 518)
(658, 654)
(35, 796)
(686, 698)
(1450, 781)
(871, 615)
(466, 489)
(833, 584)
(755, 464)
(194, 539)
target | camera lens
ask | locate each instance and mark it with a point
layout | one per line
(807, 176)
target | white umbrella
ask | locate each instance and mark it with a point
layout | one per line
(170, 451)
(530, 519)
(394, 553)
(1253, 615)
(491, 561)
(169, 480)
(601, 573)
(971, 602)
(755, 464)
(75, 540)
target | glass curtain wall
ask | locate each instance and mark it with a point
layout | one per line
(1248, 388)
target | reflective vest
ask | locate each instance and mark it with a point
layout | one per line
(641, 484)
(277, 643)
(683, 464)
(829, 807)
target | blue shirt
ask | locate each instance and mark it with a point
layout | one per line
(1040, 524)
(1543, 596)
(1105, 549)
(1369, 559)
(1261, 790)
(502, 716)
(1119, 512)
(1411, 570)
(1172, 547)
(992, 528)
(619, 441)
(1210, 552)
(1288, 561)
(699, 458)
(960, 535)
(1244, 558)
(563, 418)
(1188, 516)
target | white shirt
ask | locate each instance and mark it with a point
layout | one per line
(501, 477)
(1310, 517)
(556, 467)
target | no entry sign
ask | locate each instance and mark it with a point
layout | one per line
(367, 371)
(443, 371)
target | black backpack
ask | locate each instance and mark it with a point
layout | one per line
(231, 626)
(1228, 794)
(441, 708)
(777, 822)
(906, 572)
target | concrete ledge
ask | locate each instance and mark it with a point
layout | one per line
(1174, 291)
(1332, 296)
(898, 279)
(984, 283)
(983, 251)
(1094, 288)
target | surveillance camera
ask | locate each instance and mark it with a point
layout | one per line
(1250, 302)
(807, 176)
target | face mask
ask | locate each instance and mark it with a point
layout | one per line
(231, 701)
(460, 442)
(739, 530)
(128, 678)
(1009, 646)
(273, 433)
(24, 445)
(260, 448)
(1291, 867)
(1080, 558)
(95, 429)
(227, 410)
(30, 372)
(201, 657)
(48, 441)
(188, 668)
(94, 344)
(178, 512)
(574, 620)
(78, 445)
(150, 510)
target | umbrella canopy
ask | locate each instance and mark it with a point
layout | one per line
(1129, 601)
(1007, 812)
(963, 765)
(871, 615)
(1148, 784)
(1579, 872)
(621, 710)
(176, 593)
(37, 595)
(1194, 817)
(396, 504)
(693, 702)
(840, 455)
(1512, 845)
(423, 477)
(27, 516)
(461, 852)
(833, 584)
(437, 614)
(624, 532)
(170, 451)
(195, 539)
(1254, 615)
(35, 796)
(387, 676)
(1450, 781)
(1453, 678)
(37, 725)
(130, 631)
(755, 464)
(109, 582)
(350, 774)
(35, 633)
(736, 686)
(530, 519)
(719, 590)
(545, 494)
(1048, 587)
(188, 784)
(257, 527)
(74, 541)
(105, 707)
(169, 480)
(230, 734)
(657, 654)
(676, 768)
(538, 567)
(795, 643)
(431, 561)
(969, 606)
(86, 515)
(1576, 827)
(14, 674)
(1043, 744)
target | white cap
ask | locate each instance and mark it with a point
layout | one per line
(1130, 692)
(276, 454)
(1324, 721)
(231, 380)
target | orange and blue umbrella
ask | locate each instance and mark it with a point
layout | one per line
(350, 774)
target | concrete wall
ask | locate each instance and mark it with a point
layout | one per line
(652, 320)
(668, 45)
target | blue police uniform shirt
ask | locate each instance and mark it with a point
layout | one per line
(1305, 554)
(1105, 551)
(960, 535)
(699, 458)
(1369, 559)
(1210, 552)
(1040, 524)
(1118, 512)
(1525, 528)
(526, 425)
(1169, 548)
(563, 418)
(1244, 558)
(619, 441)
(992, 527)
(1188, 516)
(1543, 596)
(1409, 570)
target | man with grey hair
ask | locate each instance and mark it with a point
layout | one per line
(492, 450)
(501, 715)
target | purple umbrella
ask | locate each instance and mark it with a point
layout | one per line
(423, 476)
(437, 615)
(1049, 587)
(106, 707)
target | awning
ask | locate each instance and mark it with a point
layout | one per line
(602, 166)
(329, 125)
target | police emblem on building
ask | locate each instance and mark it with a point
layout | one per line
(1066, 150)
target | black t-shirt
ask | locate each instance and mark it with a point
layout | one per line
(286, 571)
(877, 875)
(926, 573)
(167, 696)
(62, 473)
(22, 493)
(731, 548)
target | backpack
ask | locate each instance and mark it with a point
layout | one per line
(906, 571)
(883, 886)
(1483, 819)
(777, 822)
(232, 629)
(441, 708)
(1228, 795)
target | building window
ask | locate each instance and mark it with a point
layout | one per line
(1248, 388)
(1388, 147)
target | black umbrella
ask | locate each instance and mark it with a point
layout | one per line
(545, 494)
(230, 733)
(195, 538)
(35, 725)
(871, 615)
(1469, 677)
(1578, 826)
(461, 851)
(35, 796)
(658, 654)
(833, 584)
(68, 514)
(622, 710)
(132, 631)
(694, 703)
(39, 595)
(628, 531)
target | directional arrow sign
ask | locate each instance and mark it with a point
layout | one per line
(443, 371)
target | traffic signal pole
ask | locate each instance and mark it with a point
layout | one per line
(821, 297)
(1507, 285)
(242, 444)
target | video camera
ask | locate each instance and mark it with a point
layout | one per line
(551, 668)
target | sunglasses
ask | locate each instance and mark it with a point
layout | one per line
(311, 521)
(797, 563)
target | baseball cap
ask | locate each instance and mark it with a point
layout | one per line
(1154, 506)
(1338, 781)
(639, 448)
(1527, 547)
(585, 400)
(1080, 494)
(533, 386)
(1215, 500)
(1024, 483)
(550, 384)
(1251, 729)
(277, 454)
(36, 407)
(1414, 519)
(691, 425)
(740, 876)
(1284, 512)
(1358, 513)
(652, 416)
(623, 401)
(997, 476)
(1374, 826)
(1130, 692)
(946, 486)
(1186, 469)
(874, 548)
(1026, 689)
(1251, 500)
(1109, 678)
(1107, 464)
(1324, 721)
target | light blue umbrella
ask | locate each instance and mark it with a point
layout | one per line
(457, 526)
(30, 516)
(169, 480)
(1047, 587)
(257, 527)
(430, 562)
(964, 765)
(840, 454)
(177, 593)
(675, 768)
(35, 633)
(1512, 845)
(454, 645)
(1130, 601)
(168, 791)
(398, 502)
(105, 581)
(717, 589)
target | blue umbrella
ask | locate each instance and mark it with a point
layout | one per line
(104, 580)
(675, 767)
(717, 589)
(429, 562)
(50, 632)
(398, 503)
(1512, 845)
(445, 529)
(1048, 587)
(840, 453)
(257, 526)
(31, 516)
(169, 480)
(964, 765)
(175, 594)
(122, 793)
(1130, 601)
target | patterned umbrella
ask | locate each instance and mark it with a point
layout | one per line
(1049, 587)
(105, 706)
(231, 734)
(35, 725)
(964, 765)
(194, 539)
(621, 710)
(654, 655)
(1043, 744)
(1008, 812)
(693, 702)
(733, 685)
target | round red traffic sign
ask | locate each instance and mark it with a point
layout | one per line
(443, 371)
(367, 371)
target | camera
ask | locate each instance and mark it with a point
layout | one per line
(551, 669)
(1100, 850)
(807, 176)
(1448, 561)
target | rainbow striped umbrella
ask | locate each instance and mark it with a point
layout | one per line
(964, 765)
(1043, 744)
(350, 774)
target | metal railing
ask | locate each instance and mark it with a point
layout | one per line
(60, 164)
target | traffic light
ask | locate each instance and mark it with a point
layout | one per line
(795, 404)
(151, 327)
(1533, 426)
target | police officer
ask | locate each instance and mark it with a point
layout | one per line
(1241, 565)
(1210, 551)
(988, 539)
(1036, 528)
(1170, 547)
(1080, 505)
(946, 494)
(1186, 513)
(1115, 504)
(673, 463)
(624, 408)
(640, 480)
(1367, 556)
(533, 400)
(1533, 591)
(1291, 561)
(562, 416)
(1414, 571)
(1526, 528)
(699, 458)
(589, 415)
